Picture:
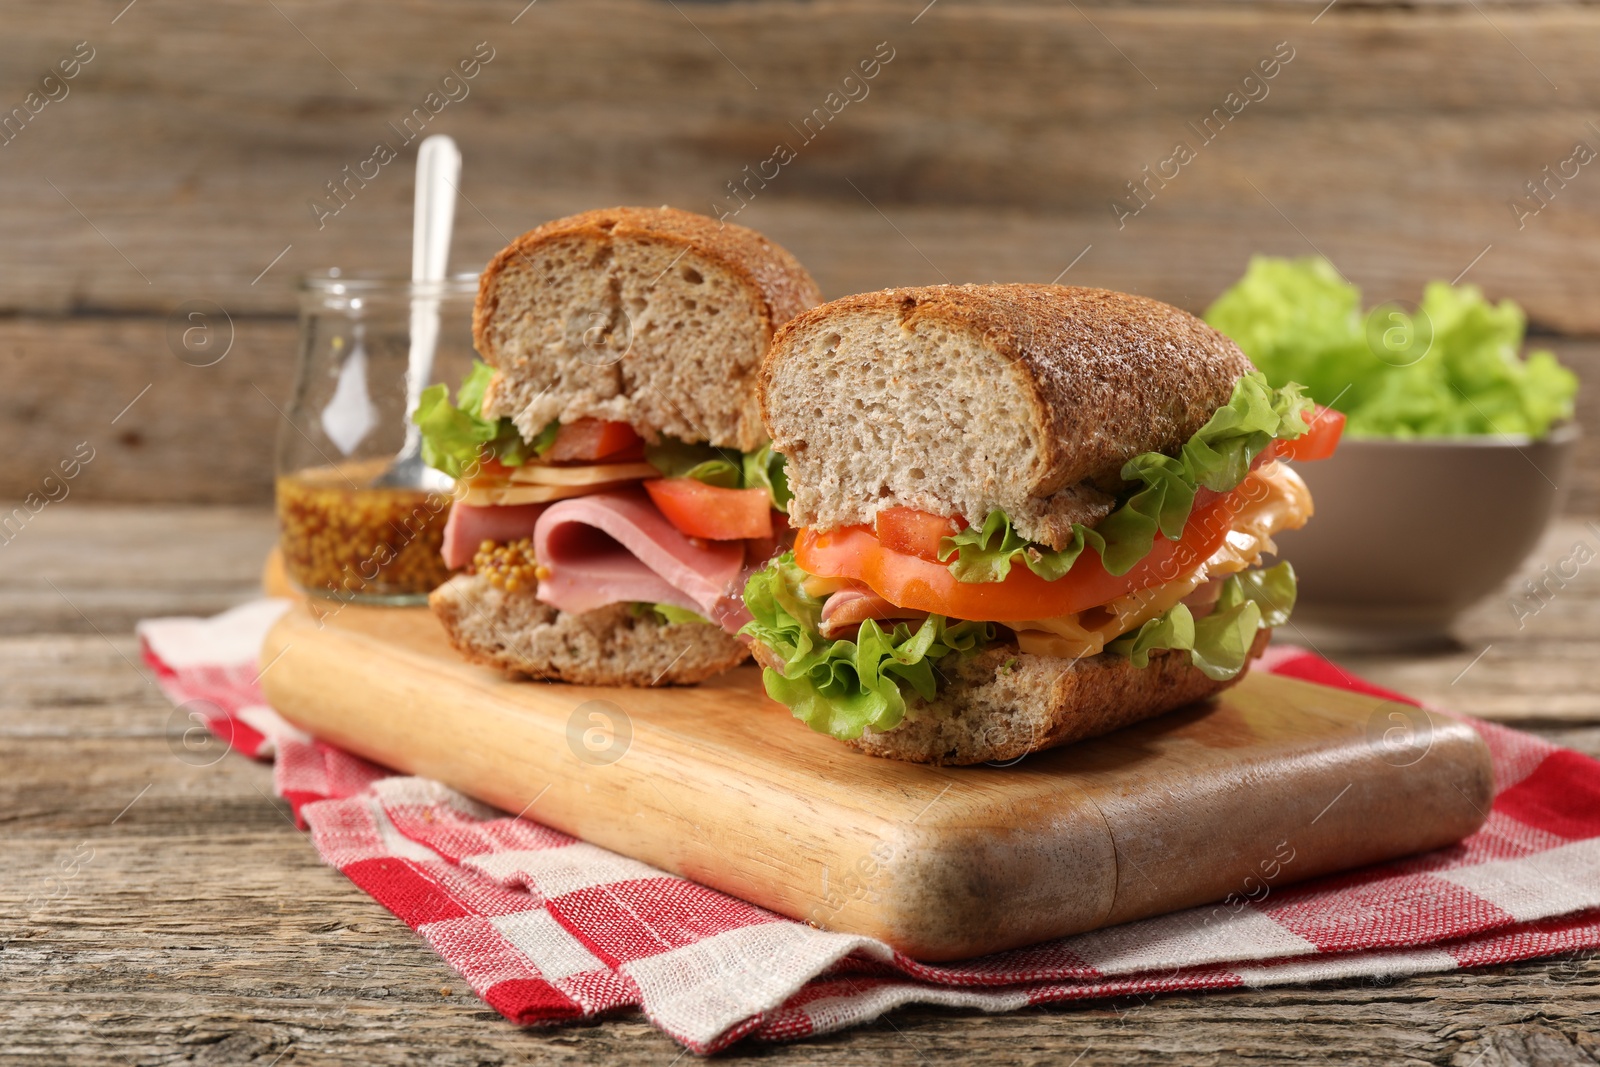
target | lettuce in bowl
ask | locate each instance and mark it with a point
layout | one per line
(1452, 368)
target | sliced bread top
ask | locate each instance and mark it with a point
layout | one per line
(650, 316)
(956, 399)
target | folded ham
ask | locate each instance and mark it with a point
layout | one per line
(614, 547)
(469, 525)
(847, 609)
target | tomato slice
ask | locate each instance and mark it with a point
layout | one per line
(590, 439)
(910, 581)
(711, 512)
(916, 533)
(1318, 442)
(491, 470)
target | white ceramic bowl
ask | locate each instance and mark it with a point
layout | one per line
(1409, 533)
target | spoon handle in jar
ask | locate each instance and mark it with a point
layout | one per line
(438, 172)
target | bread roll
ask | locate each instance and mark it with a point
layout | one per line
(1002, 704)
(956, 399)
(522, 635)
(650, 316)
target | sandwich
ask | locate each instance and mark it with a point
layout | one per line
(615, 487)
(1025, 515)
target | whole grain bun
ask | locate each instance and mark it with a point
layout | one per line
(524, 636)
(649, 316)
(956, 399)
(1001, 704)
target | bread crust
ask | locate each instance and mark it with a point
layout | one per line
(779, 286)
(1002, 704)
(1104, 375)
(527, 638)
(785, 287)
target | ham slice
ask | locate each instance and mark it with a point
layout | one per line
(847, 609)
(611, 547)
(469, 525)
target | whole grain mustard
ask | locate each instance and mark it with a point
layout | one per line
(340, 537)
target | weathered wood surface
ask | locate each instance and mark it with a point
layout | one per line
(995, 139)
(774, 807)
(203, 929)
(205, 434)
(182, 160)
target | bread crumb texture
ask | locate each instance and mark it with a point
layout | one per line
(957, 399)
(651, 316)
(1002, 704)
(524, 636)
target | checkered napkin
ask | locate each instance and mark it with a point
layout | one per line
(547, 928)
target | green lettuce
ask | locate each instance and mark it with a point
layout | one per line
(841, 687)
(546, 439)
(703, 463)
(764, 469)
(1449, 369)
(1218, 643)
(1218, 457)
(456, 437)
(668, 613)
(725, 468)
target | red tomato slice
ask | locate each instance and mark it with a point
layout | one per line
(590, 439)
(491, 470)
(909, 581)
(916, 533)
(711, 512)
(1318, 442)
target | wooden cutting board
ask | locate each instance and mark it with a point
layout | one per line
(1273, 782)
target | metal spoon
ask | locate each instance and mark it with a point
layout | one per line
(434, 212)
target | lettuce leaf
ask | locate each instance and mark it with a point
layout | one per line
(669, 613)
(1449, 369)
(1218, 643)
(547, 437)
(725, 468)
(703, 463)
(1218, 457)
(841, 687)
(456, 437)
(764, 469)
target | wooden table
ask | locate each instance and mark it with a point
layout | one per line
(198, 925)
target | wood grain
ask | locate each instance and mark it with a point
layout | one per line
(205, 434)
(205, 929)
(990, 147)
(716, 783)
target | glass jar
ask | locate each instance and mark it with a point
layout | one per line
(342, 536)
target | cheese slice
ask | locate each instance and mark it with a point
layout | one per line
(1086, 633)
(1274, 499)
(823, 587)
(512, 493)
(588, 475)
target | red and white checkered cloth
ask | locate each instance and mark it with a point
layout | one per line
(547, 928)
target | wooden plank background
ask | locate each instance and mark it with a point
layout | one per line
(180, 166)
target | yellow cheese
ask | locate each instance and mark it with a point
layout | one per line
(823, 587)
(1086, 633)
(1275, 499)
(511, 493)
(591, 474)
